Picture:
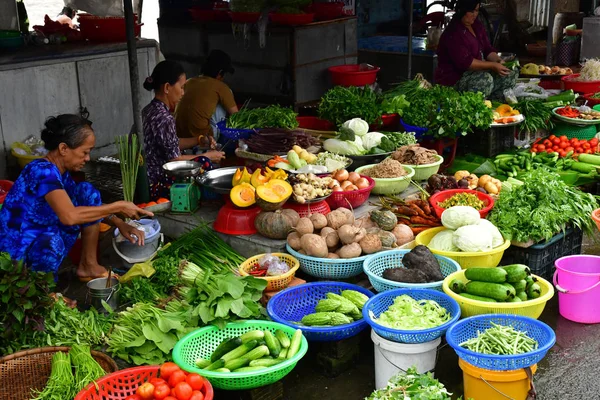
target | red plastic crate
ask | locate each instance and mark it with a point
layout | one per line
(570, 82)
(315, 124)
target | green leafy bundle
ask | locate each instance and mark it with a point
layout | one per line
(269, 117)
(61, 384)
(542, 207)
(341, 104)
(393, 104)
(412, 385)
(24, 300)
(537, 115)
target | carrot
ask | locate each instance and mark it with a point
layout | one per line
(423, 221)
(419, 210)
(417, 230)
(405, 210)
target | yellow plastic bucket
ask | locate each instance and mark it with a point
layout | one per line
(483, 384)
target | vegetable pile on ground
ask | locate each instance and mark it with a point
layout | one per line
(414, 216)
(542, 207)
(258, 118)
(501, 340)
(253, 351)
(337, 309)
(277, 141)
(339, 235)
(466, 231)
(412, 385)
(418, 266)
(408, 314)
(414, 155)
(510, 283)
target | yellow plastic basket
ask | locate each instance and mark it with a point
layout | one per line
(23, 160)
(485, 259)
(274, 283)
(469, 307)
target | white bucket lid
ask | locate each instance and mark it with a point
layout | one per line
(404, 348)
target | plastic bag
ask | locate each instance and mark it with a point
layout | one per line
(273, 264)
(530, 91)
(509, 96)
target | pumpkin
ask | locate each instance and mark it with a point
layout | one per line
(295, 217)
(258, 178)
(273, 194)
(274, 225)
(242, 195)
(241, 176)
(505, 110)
(386, 220)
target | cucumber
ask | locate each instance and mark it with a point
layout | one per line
(530, 280)
(511, 290)
(259, 352)
(480, 298)
(240, 362)
(222, 370)
(284, 340)
(496, 291)
(520, 286)
(225, 347)
(249, 369)
(522, 295)
(515, 299)
(265, 362)
(516, 272)
(534, 291)
(252, 335)
(589, 158)
(239, 351)
(202, 363)
(457, 286)
(216, 365)
(491, 275)
(272, 343)
(283, 354)
(295, 344)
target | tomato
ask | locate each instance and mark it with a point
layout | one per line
(183, 391)
(564, 145)
(579, 149)
(167, 369)
(133, 397)
(552, 137)
(549, 151)
(176, 377)
(541, 147)
(142, 205)
(547, 143)
(568, 149)
(574, 141)
(195, 381)
(562, 153)
(593, 142)
(162, 200)
(146, 391)
(170, 398)
(589, 151)
(197, 395)
(157, 381)
(563, 138)
(555, 140)
(161, 391)
(586, 146)
(555, 148)
(152, 203)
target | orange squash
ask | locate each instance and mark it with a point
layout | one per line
(258, 178)
(272, 195)
(241, 176)
(243, 195)
(504, 110)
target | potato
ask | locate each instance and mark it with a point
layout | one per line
(351, 250)
(331, 237)
(335, 219)
(293, 240)
(370, 244)
(351, 234)
(333, 255)
(319, 221)
(314, 245)
(348, 213)
(403, 234)
(304, 226)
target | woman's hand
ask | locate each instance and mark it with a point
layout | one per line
(214, 156)
(500, 69)
(132, 234)
(207, 142)
(132, 211)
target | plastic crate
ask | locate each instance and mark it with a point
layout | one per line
(489, 143)
(540, 257)
(445, 147)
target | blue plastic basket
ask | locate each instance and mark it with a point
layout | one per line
(329, 268)
(419, 132)
(468, 327)
(382, 301)
(375, 264)
(234, 134)
(290, 305)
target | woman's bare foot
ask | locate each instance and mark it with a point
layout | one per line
(92, 271)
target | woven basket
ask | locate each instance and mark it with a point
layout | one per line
(30, 369)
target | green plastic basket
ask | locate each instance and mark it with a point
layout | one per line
(202, 342)
(574, 131)
(425, 171)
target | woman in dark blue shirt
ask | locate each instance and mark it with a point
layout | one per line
(45, 210)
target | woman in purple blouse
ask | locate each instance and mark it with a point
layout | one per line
(160, 136)
(467, 60)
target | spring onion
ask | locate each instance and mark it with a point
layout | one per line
(87, 369)
(501, 340)
(129, 158)
(408, 314)
(61, 383)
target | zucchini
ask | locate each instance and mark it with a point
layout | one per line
(252, 335)
(265, 362)
(520, 286)
(225, 347)
(589, 158)
(522, 295)
(216, 365)
(272, 343)
(202, 363)
(240, 362)
(515, 299)
(249, 369)
(491, 275)
(516, 272)
(222, 370)
(479, 298)
(534, 291)
(295, 344)
(239, 351)
(496, 291)
(283, 353)
(284, 340)
(457, 286)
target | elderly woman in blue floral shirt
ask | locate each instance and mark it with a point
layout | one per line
(160, 135)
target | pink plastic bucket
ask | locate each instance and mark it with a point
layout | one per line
(577, 280)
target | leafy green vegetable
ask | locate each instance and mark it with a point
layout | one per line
(542, 207)
(394, 140)
(141, 290)
(407, 313)
(412, 385)
(394, 104)
(87, 370)
(501, 340)
(537, 115)
(247, 5)
(61, 384)
(341, 104)
(269, 117)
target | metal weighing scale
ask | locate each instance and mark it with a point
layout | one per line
(185, 193)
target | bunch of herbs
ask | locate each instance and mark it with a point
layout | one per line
(341, 104)
(269, 117)
(537, 115)
(412, 385)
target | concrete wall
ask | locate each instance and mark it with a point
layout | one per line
(372, 13)
(33, 91)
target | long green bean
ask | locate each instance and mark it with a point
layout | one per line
(501, 340)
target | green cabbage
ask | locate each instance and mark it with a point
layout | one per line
(443, 241)
(497, 239)
(344, 147)
(372, 139)
(457, 216)
(472, 238)
(357, 125)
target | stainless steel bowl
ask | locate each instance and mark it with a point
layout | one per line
(507, 56)
(218, 180)
(182, 169)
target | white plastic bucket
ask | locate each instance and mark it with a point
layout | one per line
(392, 357)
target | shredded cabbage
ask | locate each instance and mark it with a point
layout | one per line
(590, 70)
(409, 314)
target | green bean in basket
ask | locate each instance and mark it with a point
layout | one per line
(501, 340)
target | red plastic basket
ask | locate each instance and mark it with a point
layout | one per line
(233, 220)
(355, 198)
(304, 210)
(4, 188)
(326, 11)
(105, 29)
(120, 384)
(446, 194)
(292, 19)
(591, 100)
(570, 82)
(202, 15)
(244, 17)
(390, 121)
(315, 123)
(351, 75)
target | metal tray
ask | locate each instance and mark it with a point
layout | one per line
(574, 121)
(182, 169)
(218, 180)
(494, 125)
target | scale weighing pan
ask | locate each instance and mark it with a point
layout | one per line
(182, 169)
(218, 180)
